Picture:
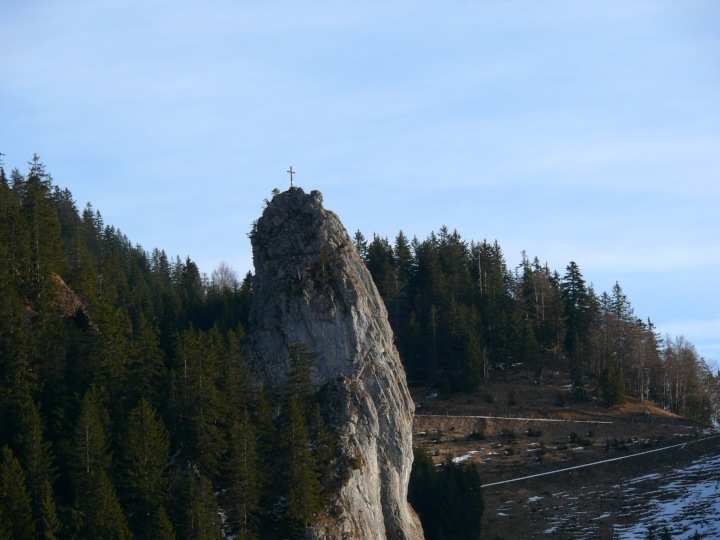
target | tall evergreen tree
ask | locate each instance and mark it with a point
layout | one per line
(236, 383)
(147, 362)
(200, 406)
(144, 465)
(613, 391)
(16, 515)
(578, 308)
(97, 508)
(164, 529)
(242, 478)
(36, 455)
(112, 354)
(90, 446)
(103, 516)
(49, 526)
(302, 483)
(380, 262)
(46, 253)
(447, 498)
(360, 244)
(202, 515)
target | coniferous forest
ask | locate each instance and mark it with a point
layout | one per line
(127, 409)
(460, 313)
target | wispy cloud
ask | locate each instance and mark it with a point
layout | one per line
(575, 131)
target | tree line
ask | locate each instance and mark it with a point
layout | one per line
(126, 407)
(460, 313)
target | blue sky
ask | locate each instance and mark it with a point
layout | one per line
(585, 131)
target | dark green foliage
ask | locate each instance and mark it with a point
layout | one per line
(145, 451)
(201, 511)
(37, 458)
(578, 309)
(98, 510)
(47, 520)
(459, 314)
(198, 406)
(243, 477)
(16, 515)
(90, 451)
(128, 408)
(163, 529)
(303, 486)
(447, 498)
(102, 515)
(611, 385)
(101, 344)
(147, 363)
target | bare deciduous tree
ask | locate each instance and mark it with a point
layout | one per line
(224, 277)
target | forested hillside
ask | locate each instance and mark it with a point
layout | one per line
(126, 408)
(459, 312)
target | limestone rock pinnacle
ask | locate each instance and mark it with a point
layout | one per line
(311, 287)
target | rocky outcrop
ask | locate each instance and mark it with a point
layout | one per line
(311, 287)
(67, 302)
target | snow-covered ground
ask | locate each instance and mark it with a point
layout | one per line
(687, 502)
(685, 499)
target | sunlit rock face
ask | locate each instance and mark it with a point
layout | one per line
(311, 287)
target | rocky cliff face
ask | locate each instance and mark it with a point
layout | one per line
(311, 287)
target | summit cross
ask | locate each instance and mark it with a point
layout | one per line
(291, 175)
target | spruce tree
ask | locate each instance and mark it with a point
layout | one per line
(447, 498)
(46, 253)
(242, 477)
(202, 516)
(147, 364)
(577, 302)
(144, 465)
(236, 383)
(98, 510)
(303, 486)
(48, 523)
(103, 514)
(164, 529)
(323, 443)
(18, 380)
(15, 503)
(112, 354)
(611, 385)
(36, 455)
(578, 310)
(201, 407)
(360, 244)
(90, 450)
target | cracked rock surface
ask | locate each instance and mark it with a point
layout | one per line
(311, 287)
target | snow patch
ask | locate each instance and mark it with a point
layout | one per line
(465, 457)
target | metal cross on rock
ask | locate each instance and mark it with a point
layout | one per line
(291, 175)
